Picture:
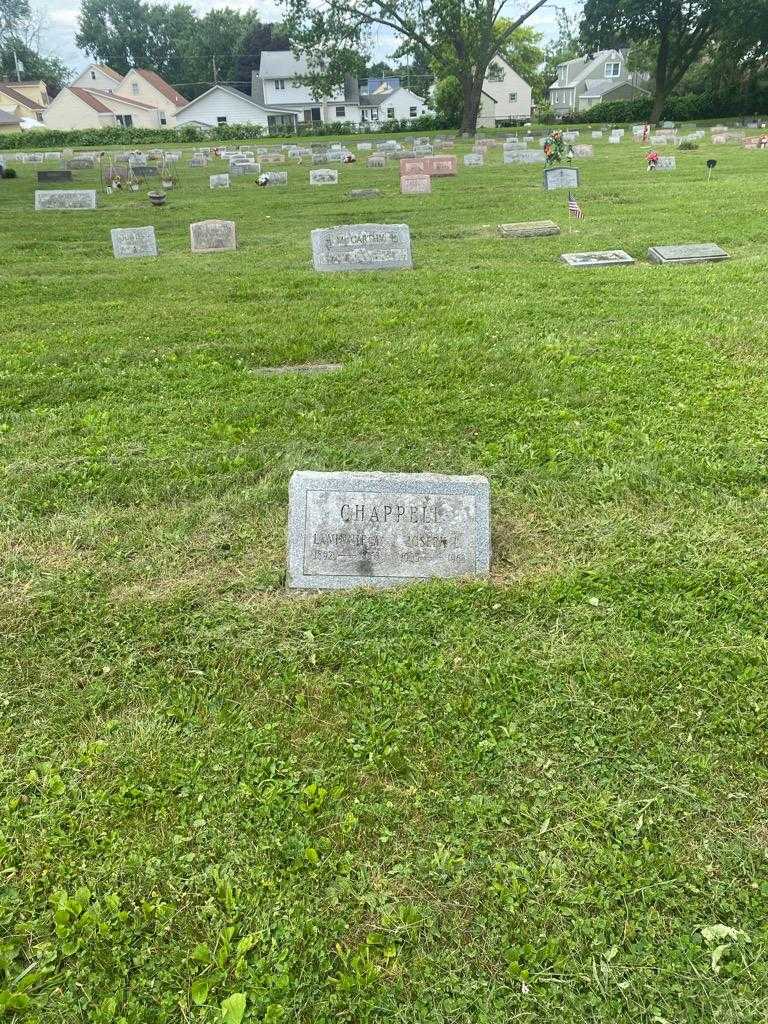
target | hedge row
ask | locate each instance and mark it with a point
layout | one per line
(45, 139)
(677, 108)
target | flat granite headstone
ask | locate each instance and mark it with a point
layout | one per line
(65, 199)
(213, 236)
(304, 369)
(131, 242)
(376, 161)
(524, 156)
(611, 258)
(414, 184)
(365, 193)
(245, 168)
(583, 151)
(324, 177)
(666, 163)
(362, 247)
(473, 159)
(43, 177)
(218, 181)
(276, 177)
(81, 163)
(142, 170)
(561, 177)
(384, 529)
(705, 252)
(529, 229)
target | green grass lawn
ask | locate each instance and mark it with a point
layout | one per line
(539, 797)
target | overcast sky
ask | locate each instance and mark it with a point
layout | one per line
(60, 19)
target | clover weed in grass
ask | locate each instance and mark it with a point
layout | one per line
(539, 797)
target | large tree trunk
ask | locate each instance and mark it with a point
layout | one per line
(661, 77)
(472, 90)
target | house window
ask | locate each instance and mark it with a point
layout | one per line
(413, 112)
(390, 113)
(163, 117)
(374, 113)
(135, 88)
(221, 120)
(341, 111)
(280, 83)
(124, 120)
(612, 69)
(93, 76)
(495, 73)
(513, 97)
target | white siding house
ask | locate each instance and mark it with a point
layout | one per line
(148, 87)
(511, 94)
(98, 76)
(224, 105)
(277, 85)
(391, 105)
(76, 107)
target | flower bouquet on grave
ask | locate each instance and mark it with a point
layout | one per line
(553, 149)
(350, 158)
(652, 160)
(263, 180)
(169, 180)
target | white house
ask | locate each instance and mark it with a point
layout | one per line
(101, 98)
(223, 105)
(276, 85)
(585, 81)
(510, 94)
(387, 104)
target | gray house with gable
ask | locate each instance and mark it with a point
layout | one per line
(586, 81)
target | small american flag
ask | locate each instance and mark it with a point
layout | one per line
(574, 210)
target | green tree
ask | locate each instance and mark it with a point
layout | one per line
(127, 34)
(565, 46)
(32, 65)
(669, 35)
(211, 51)
(449, 100)
(458, 37)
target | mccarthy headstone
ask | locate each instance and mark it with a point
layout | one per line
(362, 247)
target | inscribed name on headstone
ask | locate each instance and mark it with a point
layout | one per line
(131, 242)
(384, 529)
(413, 184)
(524, 156)
(362, 247)
(44, 177)
(324, 177)
(529, 229)
(140, 170)
(705, 252)
(245, 168)
(276, 177)
(561, 177)
(376, 161)
(213, 236)
(65, 199)
(610, 258)
(218, 181)
(473, 159)
(666, 163)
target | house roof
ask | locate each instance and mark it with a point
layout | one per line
(281, 64)
(19, 97)
(8, 118)
(597, 87)
(113, 97)
(162, 86)
(88, 96)
(107, 71)
(236, 94)
(378, 99)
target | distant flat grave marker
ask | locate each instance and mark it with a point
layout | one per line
(415, 184)
(561, 177)
(523, 156)
(473, 159)
(609, 258)
(325, 177)
(128, 243)
(365, 193)
(46, 177)
(362, 247)
(218, 181)
(583, 151)
(307, 369)
(213, 236)
(276, 177)
(529, 229)
(376, 161)
(666, 163)
(384, 529)
(65, 199)
(706, 252)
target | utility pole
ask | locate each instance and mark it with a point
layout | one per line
(16, 62)
(215, 71)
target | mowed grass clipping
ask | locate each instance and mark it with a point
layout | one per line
(539, 797)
